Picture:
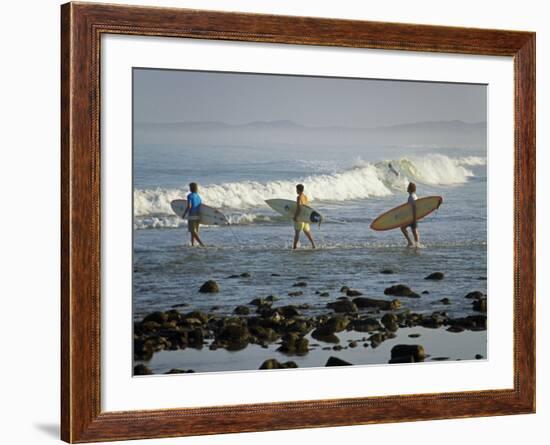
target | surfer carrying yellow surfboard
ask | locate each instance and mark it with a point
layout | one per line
(299, 226)
(194, 202)
(411, 189)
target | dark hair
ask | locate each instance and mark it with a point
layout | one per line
(300, 187)
(193, 187)
(411, 188)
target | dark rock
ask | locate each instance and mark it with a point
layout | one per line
(435, 276)
(264, 334)
(209, 287)
(414, 335)
(324, 294)
(289, 311)
(301, 327)
(142, 370)
(245, 275)
(173, 315)
(455, 329)
(143, 350)
(230, 277)
(259, 302)
(414, 351)
(146, 327)
(344, 289)
(402, 359)
(424, 292)
(472, 322)
(157, 317)
(275, 364)
(434, 321)
(195, 338)
(198, 315)
(343, 305)
(335, 361)
(295, 294)
(480, 305)
(389, 319)
(365, 325)
(334, 324)
(439, 359)
(294, 344)
(234, 336)
(215, 308)
(478, 357)
(352, 344)
(275, 275)
(363, 302)
(386, 271)
(476, 295)
(180, 371)
(179, 305)
(353, 293)
(324, 337)
(300, 284)
(376, 339)
(242, 310)
(400, 290)
(445, 301)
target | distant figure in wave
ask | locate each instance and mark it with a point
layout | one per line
(301, 200)
(194, 202)
(392, 169)
(411, 189)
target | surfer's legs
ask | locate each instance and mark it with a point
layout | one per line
(310, 238)
(416, 236)
(196, 235)
(194, 231)
(409, 242)
(296, 239)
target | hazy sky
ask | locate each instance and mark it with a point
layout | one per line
(179, 96)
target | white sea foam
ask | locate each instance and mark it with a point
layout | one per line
(362, 181)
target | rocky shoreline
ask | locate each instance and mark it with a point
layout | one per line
(294, 332)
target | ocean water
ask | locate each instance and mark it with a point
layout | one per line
(350, 186)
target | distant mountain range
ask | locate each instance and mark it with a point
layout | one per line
(440, 133)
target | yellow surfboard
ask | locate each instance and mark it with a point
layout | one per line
(403, 216)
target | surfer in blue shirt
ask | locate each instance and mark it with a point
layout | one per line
(411, 189)
(193, 210)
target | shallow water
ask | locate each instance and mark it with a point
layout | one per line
(439, 345)
(350, 191)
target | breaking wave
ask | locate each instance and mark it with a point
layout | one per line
(362, 181)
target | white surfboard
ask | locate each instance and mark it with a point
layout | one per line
(209, 216)
(287, 208)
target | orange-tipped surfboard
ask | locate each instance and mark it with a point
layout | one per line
(403, 215)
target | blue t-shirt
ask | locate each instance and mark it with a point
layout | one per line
(195, 200)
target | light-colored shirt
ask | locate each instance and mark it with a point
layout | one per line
(412, 198)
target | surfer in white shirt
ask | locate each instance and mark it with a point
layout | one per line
(411, 189)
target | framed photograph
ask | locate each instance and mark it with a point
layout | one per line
(274, 222)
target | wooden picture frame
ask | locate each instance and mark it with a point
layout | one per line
(82, 25)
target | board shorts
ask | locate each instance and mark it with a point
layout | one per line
(193, 225)
(301, 226)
